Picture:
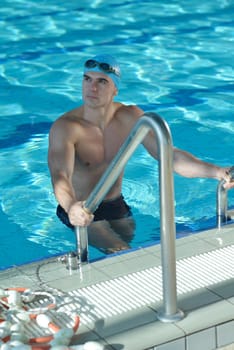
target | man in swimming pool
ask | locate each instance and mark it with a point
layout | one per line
(83, 142)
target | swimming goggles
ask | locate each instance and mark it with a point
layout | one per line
(105, 67)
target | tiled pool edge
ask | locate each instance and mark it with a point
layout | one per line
(106, 269)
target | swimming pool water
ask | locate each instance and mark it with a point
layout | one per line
(176, 59)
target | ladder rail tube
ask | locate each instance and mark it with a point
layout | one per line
(166, 187)
(222, 199)
(221, 204)
(104, 184)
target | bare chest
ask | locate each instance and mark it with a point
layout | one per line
(98, 148)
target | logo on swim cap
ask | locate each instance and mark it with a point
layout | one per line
(105, 64)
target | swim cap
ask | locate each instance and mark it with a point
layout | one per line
(105, 64)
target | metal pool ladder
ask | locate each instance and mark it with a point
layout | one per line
(167, 217)
(221, 201)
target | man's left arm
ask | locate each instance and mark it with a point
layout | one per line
(187, 165)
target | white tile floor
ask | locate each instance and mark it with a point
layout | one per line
(118, 312)
(228, 347)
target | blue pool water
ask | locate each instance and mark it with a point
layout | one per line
(177, 60)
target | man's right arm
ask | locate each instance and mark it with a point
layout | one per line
(61, 157)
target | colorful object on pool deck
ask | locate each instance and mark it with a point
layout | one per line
(17, 314)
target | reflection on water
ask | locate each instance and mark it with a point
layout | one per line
(176, 61)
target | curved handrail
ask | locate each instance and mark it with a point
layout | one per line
(166, 186)
(221, 204)
(221, 200)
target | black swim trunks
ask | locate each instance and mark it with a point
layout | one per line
(110, 209)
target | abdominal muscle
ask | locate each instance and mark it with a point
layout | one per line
(85, 180)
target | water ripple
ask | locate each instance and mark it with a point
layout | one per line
(177, 60)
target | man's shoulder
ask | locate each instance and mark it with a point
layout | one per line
(69, 118)
(129, 110)
(67, 125)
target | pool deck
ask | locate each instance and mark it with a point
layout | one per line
(118, 298)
